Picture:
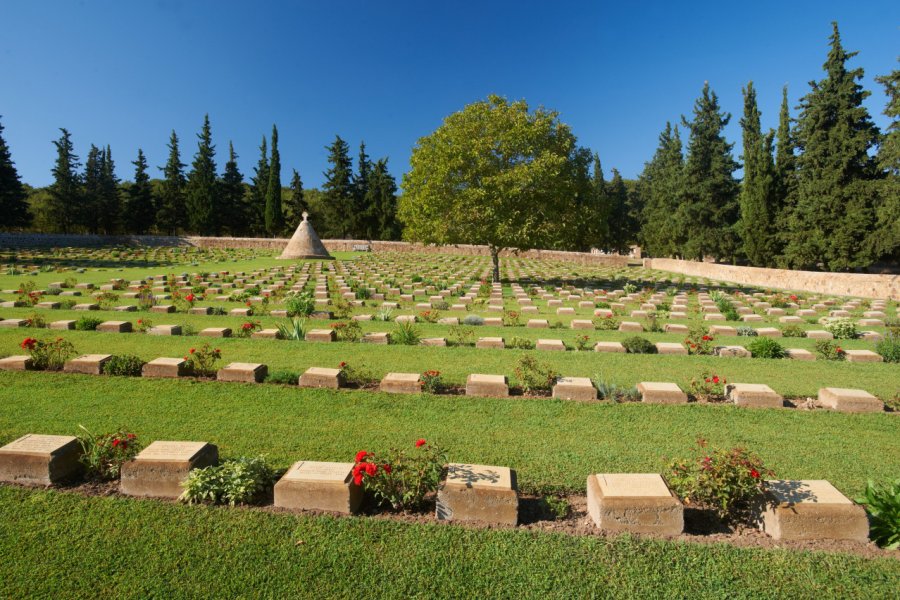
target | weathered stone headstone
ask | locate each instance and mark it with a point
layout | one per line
(810, 510)
(634, 503)
(478, 493)
(160, 468)
(310, 485)
(40, 459)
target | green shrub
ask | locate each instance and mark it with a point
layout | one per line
(766, 347)
(556, 506)
(124, 365)
(606, 323)
(300, 304)
(347, 331)
(883, 506)
(828, 350)
(746, 331)
(405, 334)
(889, 348)
(238, 481)
(473, 320)
(535, 375)
(283, 377)
(103, 455)
(842, 329)
(638, 345)
(87, 323)
(401, 479)
(519, 343)
(793, 331)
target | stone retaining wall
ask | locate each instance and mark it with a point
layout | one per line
(839, 284)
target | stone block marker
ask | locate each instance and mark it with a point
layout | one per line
(543, 344)
(732, 352)
(479, 493)
(88, 364)
(657, 392)
(439, 342)
(609, 347)
(115, 327)
(634, 503)
(810, 510)
(310, 485)
(165, 367)
(321, 335)
(243, 372)
(800, 354)
(494, 386)
(320, 377)
(537, 324)
(15, 363)
(380, 338)
(862, 356)
(65, 325)
(490, 342)
(574, 388)
(165, 330)
(218, 332)
(755, 395)
(13, 323)
(163, 308)
(581, 324)
(630, 326)
(161, 467)
(265, 334)
(849, 400)
(670, 348)
(40, 459)
(401, 383)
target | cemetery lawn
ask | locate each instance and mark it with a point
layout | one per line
(59, 544)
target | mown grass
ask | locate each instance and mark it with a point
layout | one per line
(64, 545)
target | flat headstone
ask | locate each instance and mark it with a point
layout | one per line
(582, 324)
(862, 356)
(630, 326)
(115, 327)
(240, 312)
(487, 385)
(64, 325)
(609, 347)
(162, 308)
(321, 335)
(670, 348)
(634, 503)
(165, 367)
(265, 334)
(379, 337)
(800, 354)
(849, 400)
(732, 352)
(490, 342)
(574, 388)
(768, 332)
(401, 383)
(816, 334)
(321, 377)
(40, 459)
(537, 324)
(217, 332)
(88, 364)
(751, 318)
(311, 485)
(160, 468)
(478, 493)
(243, 372)
(47, 305)
(722, 330)
(125, 308)
(434, 342)
(658, 392)
(675, 328)
(754, 395)
(164, 330)
(543, 344)
(13, 323)
(200, 310)
(810, 510)
(15, 363)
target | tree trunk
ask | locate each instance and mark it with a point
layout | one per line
(495, 257)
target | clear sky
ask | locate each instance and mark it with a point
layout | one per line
(125, 73)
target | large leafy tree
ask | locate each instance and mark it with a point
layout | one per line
(201, 198)
(661, 185)
(140, 212)
(885, 239)
(709, 207)
(338, 190)
(13, 207)
(234, 210)
(171, 212)
(494, 173)
(274, 214)
(834, 207)
(259, 185)
(63, 204)
(758, 199)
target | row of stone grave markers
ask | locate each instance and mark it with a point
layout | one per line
(638, 503)
(752, 395)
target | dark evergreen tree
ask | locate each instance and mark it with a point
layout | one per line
(661, 186)
(140, 210)
(785, 177)
(296, 203)
(758, 197)
(13, 207)
(381, 198)
(338, 191)
(709, 207)
(363, 223)
(602, 210)
(63, 204)
(170, 214)
(110, 200)
(91, 203)
(256, 211)
(620, 226)
(274, 212)
(835, 196)
(884, 240)
(200, 197)
(232, 193)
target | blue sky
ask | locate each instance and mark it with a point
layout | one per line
(125, 73)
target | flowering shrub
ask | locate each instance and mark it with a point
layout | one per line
(401, 479)
(511, 318)
(726, 481)
(107, 300)
(247, 328)
(145, 299)
(202, 361)
(431, 382)
(709, 387)
(828, 350)
(87, 323)
(699, 341)
(354, 375)
(300, 304)
(347, 331)
(582, 342)
(842, 329)
(519, 343)
(103, 455)
(238, 481)
(124, 365)
(48, 354)
(429, 316)
(143, 325)
(534, 374)
(184, 302)
(460, 335)
(889, 348)
(608, 323)
(793, 331)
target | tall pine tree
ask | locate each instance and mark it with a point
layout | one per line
(661, 185)
(709, 207)
(381, 199)
(63, 206)
(91, 204)
(259, 184)
(601, 211)
(170, 214)
(884, 241)
(363, 221)
(758, 197)
(296, 203)
(110, 199)
(140, 212)
(620, 226)
(835, 197)
(338, 191)
(13, 207)
(201, 199)
(234, 207)
(785, 177)
(274, 214)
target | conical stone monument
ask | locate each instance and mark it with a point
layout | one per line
(305, 243)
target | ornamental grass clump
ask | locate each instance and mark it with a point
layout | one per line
(726, 481)
(405, 334)
(103, 455)
(401, 479)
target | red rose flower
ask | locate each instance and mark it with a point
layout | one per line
(115, 442)
(420, 443)
(193, 350)
(357, 478)
(754, 473)
(715, 379)
(706, 338)
(342, 365)
(371, 469)
(386, 467)
(361, 455)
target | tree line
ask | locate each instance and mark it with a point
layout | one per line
(92, 199)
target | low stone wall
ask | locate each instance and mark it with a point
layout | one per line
(838, 284)
(37, 240)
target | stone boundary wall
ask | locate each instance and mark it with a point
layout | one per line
(39, 240)
(839, 284)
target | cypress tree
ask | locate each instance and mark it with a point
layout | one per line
(296, 203)
(171, 212)
(140, 212)
(661, 186)
(835, 196)
(363, 219)
(63, 206)
(110, 199)
(619, 225)
(884, 240)
(91, 204)
(13, 207)
(338, 191)
(200, 199)
(758, 204)
(260, 183)
(382, 201)
(709, 207)
(601, 210)
(274, 214)
(234, 209)
(785, 178)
